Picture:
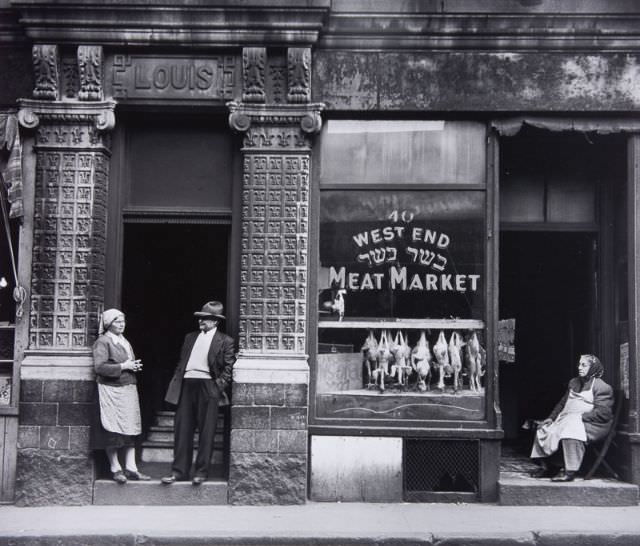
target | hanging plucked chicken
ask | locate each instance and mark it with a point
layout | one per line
(421, 361)
(474, 361)
(401, 368)
(441, 352)
(455, 357)
(384, 356)
(370, 356)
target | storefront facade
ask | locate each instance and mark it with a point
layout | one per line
(377, 192)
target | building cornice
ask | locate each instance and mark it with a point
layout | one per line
(11, 33)
(221, 24)
(482, 31)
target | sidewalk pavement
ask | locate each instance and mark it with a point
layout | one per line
(319, 524)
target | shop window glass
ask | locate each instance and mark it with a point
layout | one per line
(403, 265)
(521, 199)
(406, 254)
(403, 152)
(571, 200)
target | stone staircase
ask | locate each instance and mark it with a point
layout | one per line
(517, 488)
(155, 460)
(158, 445)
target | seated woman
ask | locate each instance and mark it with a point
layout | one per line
(583, 415)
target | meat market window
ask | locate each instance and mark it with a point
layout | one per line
(402, 276)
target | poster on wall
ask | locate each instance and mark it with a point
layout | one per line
(507, 340)
(624, 369)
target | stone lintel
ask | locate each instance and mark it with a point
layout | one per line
(101, 114)
(271, 369)
(52, 365)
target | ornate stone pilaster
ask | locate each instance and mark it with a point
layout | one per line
(268, 459)
(72, 168)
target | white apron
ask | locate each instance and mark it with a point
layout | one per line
(120, 409)
(568, 424)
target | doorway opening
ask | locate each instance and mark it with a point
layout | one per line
(169, 271)
(547, 283)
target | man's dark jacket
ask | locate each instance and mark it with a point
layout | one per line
(220, 359)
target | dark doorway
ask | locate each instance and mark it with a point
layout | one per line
(547, 283)
(169, 271)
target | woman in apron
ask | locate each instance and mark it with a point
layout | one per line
(583, 415)
(118, 423)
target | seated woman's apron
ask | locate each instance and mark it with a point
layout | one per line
(567, 426)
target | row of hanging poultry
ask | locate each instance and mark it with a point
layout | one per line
(390, 360)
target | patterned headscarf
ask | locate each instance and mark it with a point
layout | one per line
(596, 369)
(107, 318)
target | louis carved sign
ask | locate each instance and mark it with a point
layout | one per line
(172, 77)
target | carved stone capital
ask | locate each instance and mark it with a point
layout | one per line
(99, 114)
(46, 71)
(90, 61)
(286, 126)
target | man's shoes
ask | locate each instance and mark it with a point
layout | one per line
(168, 480)
(197, 480)
(119, 477)
(136, 475)
(566, 476)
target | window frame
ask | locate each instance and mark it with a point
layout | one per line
(487, 426)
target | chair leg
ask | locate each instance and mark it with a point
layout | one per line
(613, 473)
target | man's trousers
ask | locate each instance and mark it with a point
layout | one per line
(197, 409)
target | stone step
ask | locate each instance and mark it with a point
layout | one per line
(213, 491)
(164, 435)
(165, 419)
(518, 489)
(164, 453)
(154, 493)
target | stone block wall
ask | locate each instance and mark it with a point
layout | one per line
(54, 462)
(269, 444)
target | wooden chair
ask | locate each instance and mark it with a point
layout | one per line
(600, 448)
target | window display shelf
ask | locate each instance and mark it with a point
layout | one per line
(408, 324)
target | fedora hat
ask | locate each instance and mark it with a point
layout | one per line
(211, 309)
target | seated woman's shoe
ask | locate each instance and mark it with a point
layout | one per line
(566, 476)
(119, 477)
(136, 475)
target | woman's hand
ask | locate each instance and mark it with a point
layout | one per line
(132, 365)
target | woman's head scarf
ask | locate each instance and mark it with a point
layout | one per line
(596, 369)
(107, 318)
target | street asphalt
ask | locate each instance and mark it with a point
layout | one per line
(350, 524)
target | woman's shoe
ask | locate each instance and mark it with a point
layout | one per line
(119, 477)
(136, 475)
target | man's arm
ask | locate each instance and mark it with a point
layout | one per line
(228, 358)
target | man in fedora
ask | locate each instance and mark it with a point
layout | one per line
(197, 388)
